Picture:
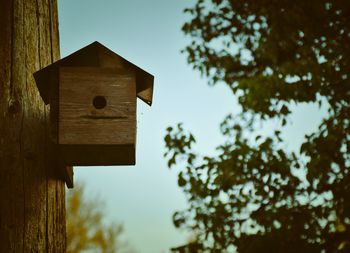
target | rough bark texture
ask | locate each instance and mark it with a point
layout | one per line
(32, 198)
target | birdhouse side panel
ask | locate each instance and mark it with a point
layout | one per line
(96, 106)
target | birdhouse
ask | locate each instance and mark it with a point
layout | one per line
(92, 96)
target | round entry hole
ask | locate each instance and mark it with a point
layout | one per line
(99, 102)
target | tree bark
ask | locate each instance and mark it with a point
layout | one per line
(32, 197)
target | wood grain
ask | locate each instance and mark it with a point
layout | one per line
(80, 122)
(32, 197)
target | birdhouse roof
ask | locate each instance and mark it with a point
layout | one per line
(95, 55)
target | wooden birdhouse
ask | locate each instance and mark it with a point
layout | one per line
(92, 96)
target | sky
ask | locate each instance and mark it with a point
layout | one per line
(148, 33)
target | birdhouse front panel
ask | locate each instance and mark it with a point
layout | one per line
(97, 106)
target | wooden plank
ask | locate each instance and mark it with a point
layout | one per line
(91, 155)
(144, 80)
(80, 122)
(108, 59)
(97, 55)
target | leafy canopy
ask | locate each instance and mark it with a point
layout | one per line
(255, 195)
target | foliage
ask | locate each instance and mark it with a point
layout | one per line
(255, 195)
(86, 231)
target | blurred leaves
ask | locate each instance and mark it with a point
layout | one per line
(255, 195)
(87, 230)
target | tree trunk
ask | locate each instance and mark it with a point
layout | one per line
(32, 198)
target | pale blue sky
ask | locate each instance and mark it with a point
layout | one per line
(148, 33)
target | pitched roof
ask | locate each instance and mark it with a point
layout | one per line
(95, 55)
